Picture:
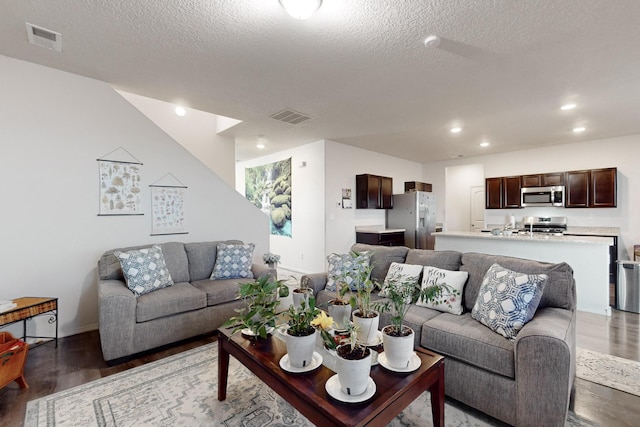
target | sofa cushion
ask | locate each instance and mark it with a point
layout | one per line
(508, 300)
(463, 338)
(447, 260)
(202, 257)
(450, 300)
(348, 268)
(179, 298)
(382, 257)
(560, 290)
(233, 261)
(220, 291)
(144, 270)
(398, 273)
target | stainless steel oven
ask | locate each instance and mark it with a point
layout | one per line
(542, 196)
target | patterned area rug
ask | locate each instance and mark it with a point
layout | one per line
(610, 371)
(181, 390)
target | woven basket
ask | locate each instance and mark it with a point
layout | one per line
(13, 355)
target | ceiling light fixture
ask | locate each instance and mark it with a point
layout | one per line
(260, 143)
(484, 144)
(567, 107)
(456, 129)
(579, 129)
(432, 41)
(301, 9)
(180, 111)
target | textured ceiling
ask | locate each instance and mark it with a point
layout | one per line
(360, 69)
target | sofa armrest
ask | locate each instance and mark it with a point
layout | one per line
(117, 318)
(545, 358)
(315, 281)
(260, 270)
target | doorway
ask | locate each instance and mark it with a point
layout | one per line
(477, 208)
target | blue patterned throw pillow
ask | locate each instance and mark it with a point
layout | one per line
(233, 262)
(144, 270)
(347, 268)
(508, 300)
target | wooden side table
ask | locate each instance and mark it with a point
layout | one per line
(27, 308)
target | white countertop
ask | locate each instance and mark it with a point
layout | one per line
(379, 229)
(582, 231)
(536, 237)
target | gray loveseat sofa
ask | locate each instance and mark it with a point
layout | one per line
(193, 305)
(525, 382)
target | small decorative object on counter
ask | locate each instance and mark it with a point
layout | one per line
(271, 259)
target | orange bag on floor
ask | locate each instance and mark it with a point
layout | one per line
(13, 355)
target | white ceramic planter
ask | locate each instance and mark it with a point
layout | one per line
(300, 349)
(397, 350)
(353, 375)
(368, 332)
(339, 313)
(298, 296)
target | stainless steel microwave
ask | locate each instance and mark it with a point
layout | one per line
(542, 196)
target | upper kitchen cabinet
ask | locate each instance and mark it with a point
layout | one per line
(511, 192)
(502, 192)
(493, 193)
(374, 192)
(595, 188)
(543, 180)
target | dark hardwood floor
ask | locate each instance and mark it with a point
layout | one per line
(78, 360)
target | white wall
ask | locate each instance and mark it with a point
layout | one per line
(196, 131)
(303, 252)
(344, 162)
(54, 127)
(622, 152)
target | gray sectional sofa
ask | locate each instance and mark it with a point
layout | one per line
(193, 305)
(525, 382)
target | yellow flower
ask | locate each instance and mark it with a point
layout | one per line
(322, 320)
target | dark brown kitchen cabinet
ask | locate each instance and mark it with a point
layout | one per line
(374, 192)
(595, 188)
(395, 238)
(502, 192)
(493, 193)
(543, 180)
(511, 192)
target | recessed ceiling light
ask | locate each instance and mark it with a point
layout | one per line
(260, 145)
(579, 129)
(456, 130)
(301, 9)
(484, 144)
(432, 41)
(180, 111)
(567, 107)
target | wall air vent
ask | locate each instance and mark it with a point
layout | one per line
(44, 38)
(290, 116)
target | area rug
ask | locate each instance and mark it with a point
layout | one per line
(181, 390)
(610, 371)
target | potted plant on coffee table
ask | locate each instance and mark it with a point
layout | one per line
(353, 366)
(398, 338)
(339, 307)
(300, 337)
(363, 312)
(301, 291)
(258, 318)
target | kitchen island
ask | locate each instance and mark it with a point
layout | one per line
(587, 255)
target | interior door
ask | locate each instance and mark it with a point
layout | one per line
(477, 208)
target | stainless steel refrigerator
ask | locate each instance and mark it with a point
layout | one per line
(415, 211)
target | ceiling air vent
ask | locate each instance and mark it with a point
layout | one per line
(44, 38)
(290, 116)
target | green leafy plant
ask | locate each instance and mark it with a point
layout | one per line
(261, 297)
(300, 319)
(402, 293)
(361, 299)
(352, 350)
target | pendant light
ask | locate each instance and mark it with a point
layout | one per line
(301, 9)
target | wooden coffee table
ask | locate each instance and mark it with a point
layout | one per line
(306, 392)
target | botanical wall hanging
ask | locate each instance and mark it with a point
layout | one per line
(268, 187)
(167, 208)
(119, 185)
